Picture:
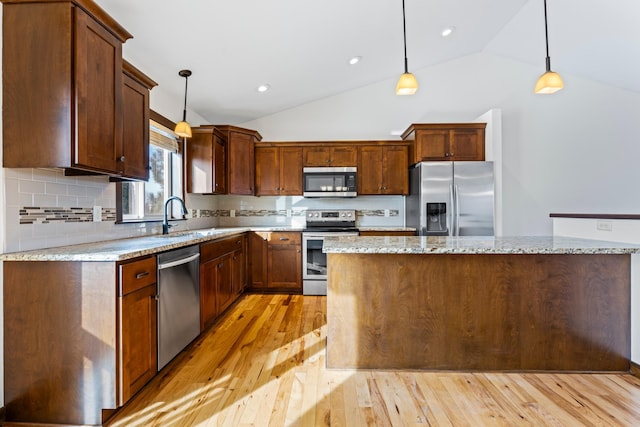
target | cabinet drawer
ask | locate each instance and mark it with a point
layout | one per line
(285, 238)
(136, 275)
(215, 249)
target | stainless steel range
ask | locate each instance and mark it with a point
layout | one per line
(321, 224)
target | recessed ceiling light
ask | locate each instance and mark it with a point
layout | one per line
(263, 88)
(355, 60)
(448, 31)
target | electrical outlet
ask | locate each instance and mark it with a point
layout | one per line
(289, 213)
(386, 212)
(97, 214)
(232, 213)
(604, 225)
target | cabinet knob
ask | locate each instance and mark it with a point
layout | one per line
(220, 265)
(446, 154)
(452, 154)
(121, 158)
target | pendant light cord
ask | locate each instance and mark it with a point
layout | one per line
(546, 36)
(404, 32)
(184, 111)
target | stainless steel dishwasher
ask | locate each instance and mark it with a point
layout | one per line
(178, 301)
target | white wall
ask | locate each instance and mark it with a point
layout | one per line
(575, 150)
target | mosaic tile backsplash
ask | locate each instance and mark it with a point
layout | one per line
(39, 215)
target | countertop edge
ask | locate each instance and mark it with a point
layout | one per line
(595, 216)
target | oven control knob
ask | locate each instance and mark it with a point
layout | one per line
(349, 214)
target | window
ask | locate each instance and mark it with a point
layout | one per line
(144, 201)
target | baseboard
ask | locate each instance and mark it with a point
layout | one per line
(635, 369)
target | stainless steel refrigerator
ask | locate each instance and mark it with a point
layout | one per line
(451, 199)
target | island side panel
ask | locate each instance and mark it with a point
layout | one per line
(479, 312)
(59, 338)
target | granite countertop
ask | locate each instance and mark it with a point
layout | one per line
(474, 245)
(123, 249)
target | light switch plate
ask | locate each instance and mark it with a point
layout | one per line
(604, 226)
(97, 214)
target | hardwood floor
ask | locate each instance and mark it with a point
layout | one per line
(263, 364)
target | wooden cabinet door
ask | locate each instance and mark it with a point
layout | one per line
(98, 85)
(395, 170)
(237, 273)
(369, 170)
(208, 284)
(241, 163)
(199, 162)
(432, 145)
(267, 171)
(219, 164)
(224, 285)
(316, 156)
(139, 363)
(134, 160)
(285, 266)
(467, 144)
(291, 171)
(344, 156)
(258, 259)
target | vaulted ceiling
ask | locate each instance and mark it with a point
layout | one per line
(301, 48)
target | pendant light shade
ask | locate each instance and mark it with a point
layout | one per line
(550, 81)
(183, 129)
(407, 84)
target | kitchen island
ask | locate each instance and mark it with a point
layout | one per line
(478, 303)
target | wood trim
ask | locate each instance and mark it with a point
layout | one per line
(230, 128)
(157, 117)
(138, 75)
(331, 143)
(444, 126)
(635, 369)
(595, 216)
(92, 9)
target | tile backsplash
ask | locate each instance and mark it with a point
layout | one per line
(45, 208)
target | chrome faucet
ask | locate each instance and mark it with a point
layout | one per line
(165, 221)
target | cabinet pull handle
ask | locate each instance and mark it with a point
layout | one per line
(121, 158)
(284, 239)
(141, 275)
(238, 242)
(221, 265)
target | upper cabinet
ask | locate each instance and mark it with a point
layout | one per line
(64, 83)
(330, 155)
(278, 171)
(240, 158)
(383, 169)
(446, 141)
(206, 158)
(134, 157)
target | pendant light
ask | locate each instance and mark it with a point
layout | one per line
(550, 81)
(407, 85)
(183, 129)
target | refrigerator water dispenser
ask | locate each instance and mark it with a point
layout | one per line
(436, 218)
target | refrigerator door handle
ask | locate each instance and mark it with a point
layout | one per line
(451, 213)
(456, 209)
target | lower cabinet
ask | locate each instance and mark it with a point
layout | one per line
(222, 276)
(276, 261)
(138, 356)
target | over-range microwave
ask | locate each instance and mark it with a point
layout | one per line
(329, 182)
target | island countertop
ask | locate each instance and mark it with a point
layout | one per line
(474, 245)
